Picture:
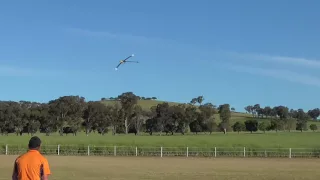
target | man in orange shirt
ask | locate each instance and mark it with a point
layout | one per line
(31, 165)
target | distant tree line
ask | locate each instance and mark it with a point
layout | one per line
(139, 98)
(72, 114)
(283, 118)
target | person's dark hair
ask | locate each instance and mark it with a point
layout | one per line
(34, 143)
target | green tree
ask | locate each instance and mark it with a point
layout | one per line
(302, 119)
(128, 100)
(314, 113)
(48, 123)
(206, 117)
(255, 109)
(313, 127)
(192, 115)
(249, 109)
(116, 117)
(74, 123)
(267, 111)
(238, 126)
(251, 125)
(200, 100)
(211, 126)
(15, 112)
(151, 122)
(193, 101)
(103, 119)
(33, 115)
(225, 115)
(208, 110)
(195, 127)
(92, 110)
(178, 114)
(274, 125)
(263, 126)
(65, 108)
(138, 118)
(283, 113)
(7, 117)
(163, 116)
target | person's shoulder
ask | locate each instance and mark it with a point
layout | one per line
(17, 159)
(43, 158)
(22, 155)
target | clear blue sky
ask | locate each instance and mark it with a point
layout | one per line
(236, 52)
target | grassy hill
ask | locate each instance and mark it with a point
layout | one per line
(235, 116)
(147, 104)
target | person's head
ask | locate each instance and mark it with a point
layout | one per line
(34, 143)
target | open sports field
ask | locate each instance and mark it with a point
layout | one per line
(255, 140)
(93, 168)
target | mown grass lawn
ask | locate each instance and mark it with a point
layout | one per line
(255, 140)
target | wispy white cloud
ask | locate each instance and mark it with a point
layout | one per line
(282, 74)
(91, 33)
(126, 37)
(15, 71)
(106, 34)
(310, 63)
(298, 61)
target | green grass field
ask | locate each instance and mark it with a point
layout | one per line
(137, 168)
(255, 140)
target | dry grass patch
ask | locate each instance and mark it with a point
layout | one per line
(138, 168)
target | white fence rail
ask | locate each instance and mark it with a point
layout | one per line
(91, 150)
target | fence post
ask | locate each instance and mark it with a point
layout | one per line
(88, 150)
(244, 151)
(161, 151)
(187, 151)
(58, 149)
(6, 149)
(115, 151)
(289, 152)
(265, 153)
(215, 151)
(136, 151)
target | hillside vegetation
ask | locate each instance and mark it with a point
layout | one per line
(145, 104)
(132, 114)
(235, 116)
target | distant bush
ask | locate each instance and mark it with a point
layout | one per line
(313, 127)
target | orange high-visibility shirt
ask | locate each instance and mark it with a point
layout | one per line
(31, 166)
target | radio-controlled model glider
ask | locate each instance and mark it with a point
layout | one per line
(125, 61)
